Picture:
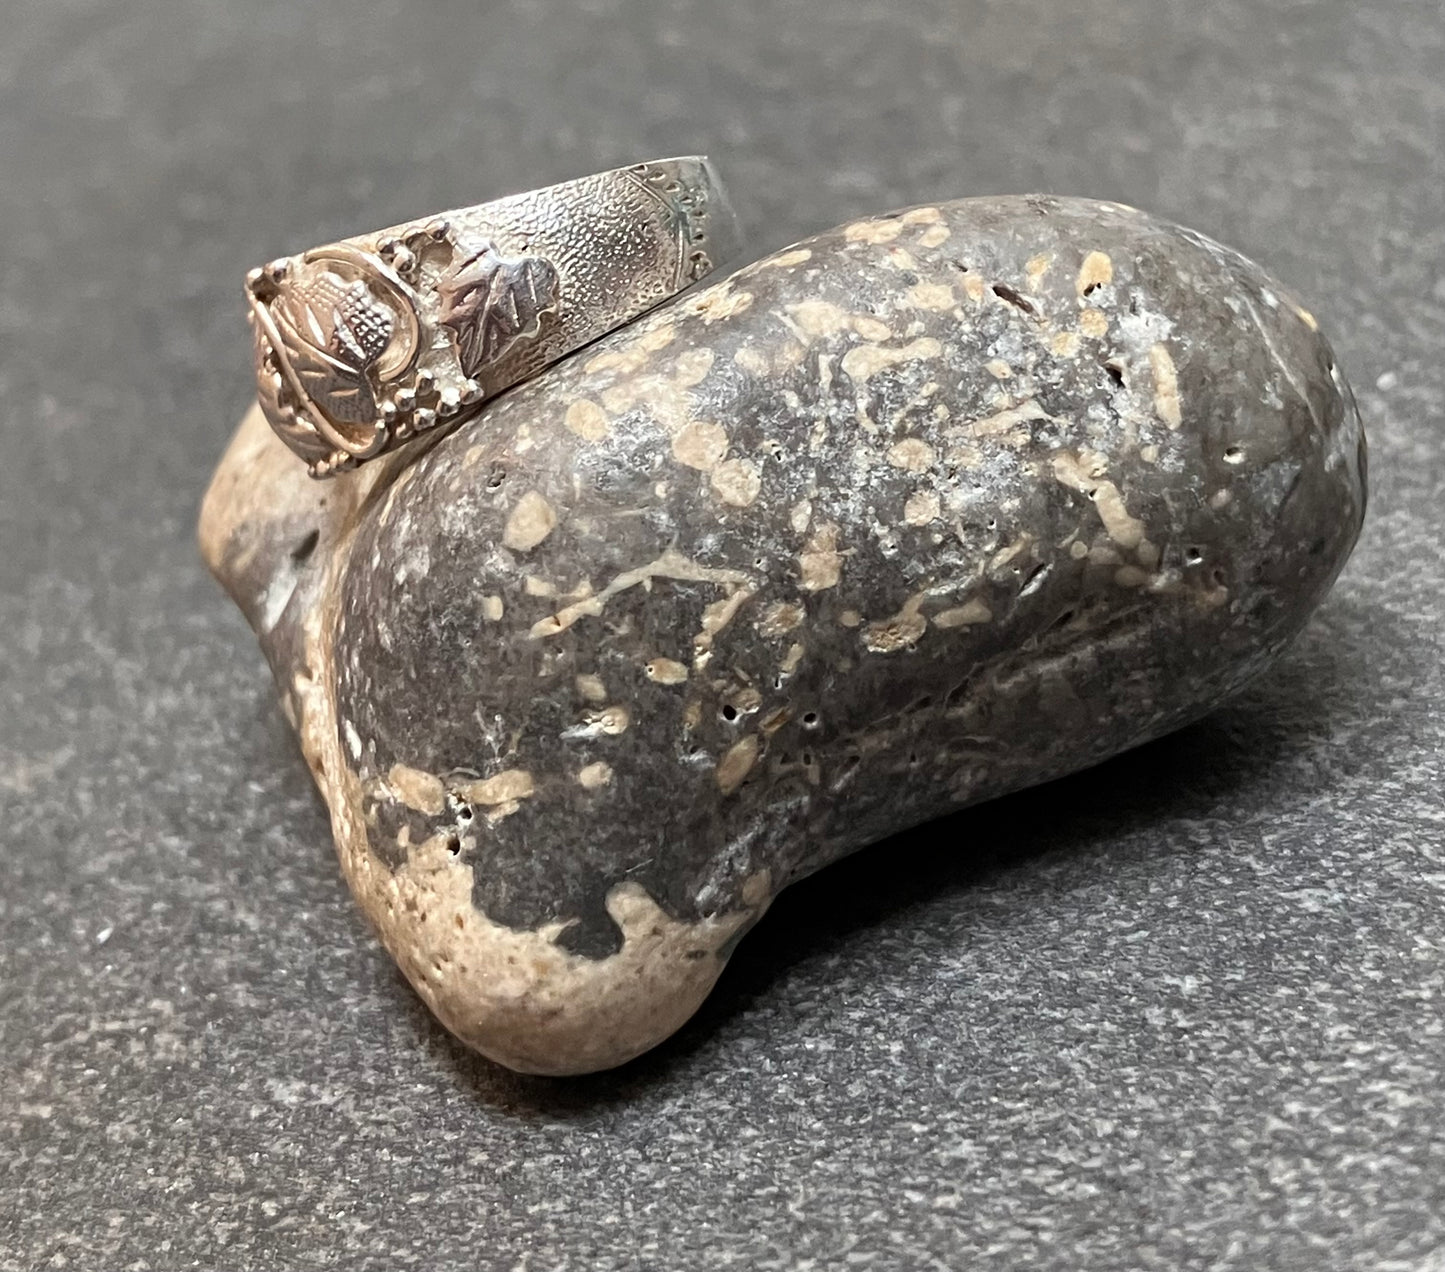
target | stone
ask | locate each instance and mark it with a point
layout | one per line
(927, 509)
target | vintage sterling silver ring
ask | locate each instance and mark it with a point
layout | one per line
(364, 344)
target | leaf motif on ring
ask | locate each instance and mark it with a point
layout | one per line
(333, 332)
(489, 303)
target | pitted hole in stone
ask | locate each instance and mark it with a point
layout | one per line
(961, 267)
(301, 553)
(454, 845)
(1063, 620)
(496, 477)
(922, 704)
(1218, 577)
(1116, 373)
(1234, 454)
(728, 712)
(809, 720)
(991, 524)
(1193, 556)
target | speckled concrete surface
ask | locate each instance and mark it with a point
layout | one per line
(1182, 1010)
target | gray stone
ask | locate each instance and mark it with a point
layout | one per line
(927, 509)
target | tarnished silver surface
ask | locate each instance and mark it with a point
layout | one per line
(362, 345)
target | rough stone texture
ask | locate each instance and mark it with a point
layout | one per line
(1179, 1010)
(932, 507)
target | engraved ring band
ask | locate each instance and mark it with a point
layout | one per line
(364, 344)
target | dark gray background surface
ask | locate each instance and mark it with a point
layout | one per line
(1181, 1011)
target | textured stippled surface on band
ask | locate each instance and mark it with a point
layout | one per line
(363, 344)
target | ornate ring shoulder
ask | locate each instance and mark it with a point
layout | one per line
(364, 344)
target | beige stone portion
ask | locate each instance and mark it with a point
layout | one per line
(818, 319)
(1167, 405)
(531, 520)
(612, 720)
(871, 328)
(737, 482)
(932, 296)
(588, 420)
(922, 507)
(596, 775)
(700, 445)
(420, 791)
(754, 361)
(862, 362)
(912, 454)
(1012, 426)
(1065, 344)
(874, 232)
(670, 565)
(499, 789)
(493, 609)
(1087, 477)
(820, 564)
(666, 671)
(1096, 271)
(519, 998)
(590, 686)
(692, 366)
(967, 615)
(1094, 323)
(780, 618)
(719, 302)
(717, 616)
(737, 764)
(901, 631)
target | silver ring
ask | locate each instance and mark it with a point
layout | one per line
(364, 344)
